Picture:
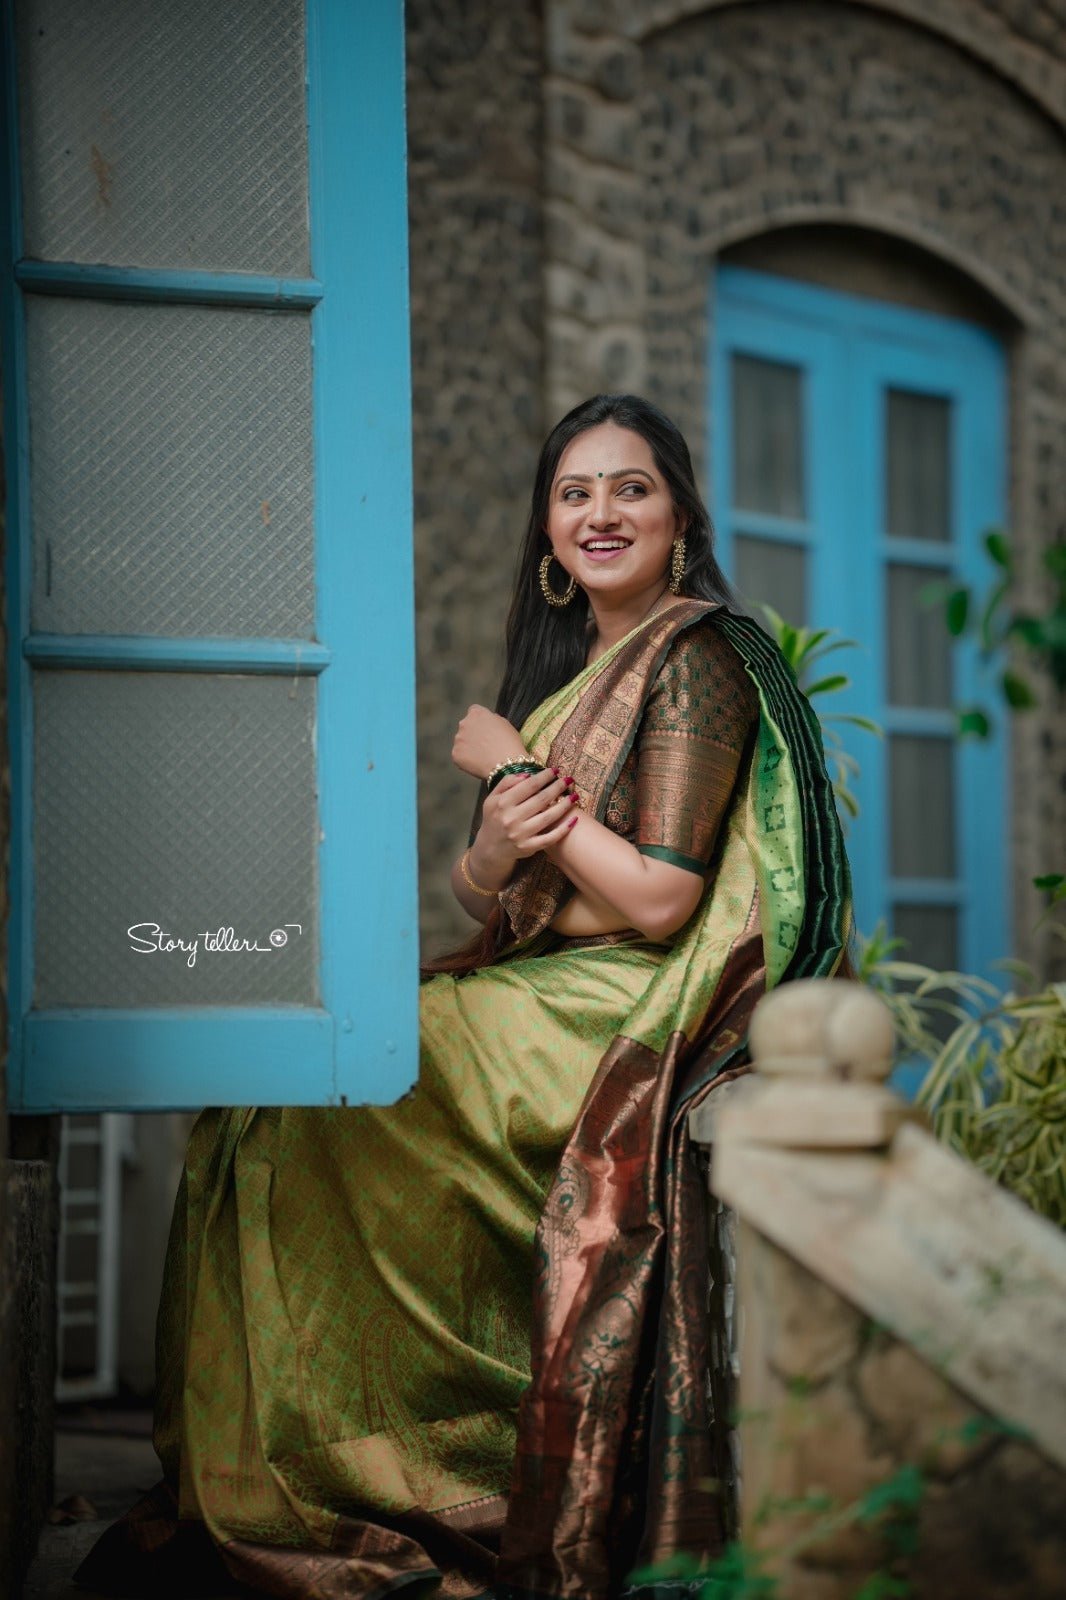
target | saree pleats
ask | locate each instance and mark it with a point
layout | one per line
(461, 1341)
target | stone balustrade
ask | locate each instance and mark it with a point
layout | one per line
(902, 1327)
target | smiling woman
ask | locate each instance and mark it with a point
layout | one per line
(460, 1341)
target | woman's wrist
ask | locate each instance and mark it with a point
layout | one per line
(489, 869)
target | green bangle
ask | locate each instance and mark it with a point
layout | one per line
(506, 768)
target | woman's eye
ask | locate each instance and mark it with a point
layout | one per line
(639, 487)
(569, 493)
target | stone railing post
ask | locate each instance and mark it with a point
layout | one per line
(868, 1376)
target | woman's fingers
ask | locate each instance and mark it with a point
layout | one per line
(529, 837)
(545, 840)
(546, 794)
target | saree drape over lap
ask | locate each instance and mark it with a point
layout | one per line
(460, 1342)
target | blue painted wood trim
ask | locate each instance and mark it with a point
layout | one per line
(928, 891)
(88, 1059)
(362, 399)
(149, 653)
(185, 287)
(16, 563)
(874, 344)
(920, 720)
(800, 304)
(784, 529)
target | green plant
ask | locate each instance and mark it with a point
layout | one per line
(997, 1094)
(803, 649)
(996, 1085)
(1013, 645)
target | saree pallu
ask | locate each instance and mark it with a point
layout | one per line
(356, 1394)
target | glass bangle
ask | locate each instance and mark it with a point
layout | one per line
(506, 768)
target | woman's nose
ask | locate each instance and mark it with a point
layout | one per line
(601, 512)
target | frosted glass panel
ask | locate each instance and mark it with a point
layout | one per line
(772, 573)
(767, 436)
(165, 135)
(932, 935)
(919, 645)
(918, 457)
(922, 806)
(171, 469)
(183, 800)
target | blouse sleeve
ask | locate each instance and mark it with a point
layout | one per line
(692, 737)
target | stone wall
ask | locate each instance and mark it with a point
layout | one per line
(576, 174)
(902, 1397)
(474, 174)
(835, 1410)
(677, 132)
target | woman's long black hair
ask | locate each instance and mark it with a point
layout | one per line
(546, 646)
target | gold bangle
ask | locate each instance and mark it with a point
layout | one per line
(490, 894)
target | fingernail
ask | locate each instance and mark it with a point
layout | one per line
(572, 823)
(574, 799)
(556, 771)
(569, 780)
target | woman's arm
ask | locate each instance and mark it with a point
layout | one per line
(655, 897)
(521, 816)
(689, 748)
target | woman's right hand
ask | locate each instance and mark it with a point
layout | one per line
(523, 814)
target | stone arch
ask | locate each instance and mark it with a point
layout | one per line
(1003, 305)
(676, 129)
(984, 28)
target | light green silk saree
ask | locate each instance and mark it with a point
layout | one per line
(457, 1342)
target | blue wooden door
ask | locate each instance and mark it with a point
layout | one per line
(859, 454)
(209, 565)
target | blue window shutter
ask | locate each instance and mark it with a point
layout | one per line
(349, 1031)
(854, 353)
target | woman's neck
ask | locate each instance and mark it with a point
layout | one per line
(611, 623)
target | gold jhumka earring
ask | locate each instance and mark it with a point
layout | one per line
(546, 589)
(677, 566)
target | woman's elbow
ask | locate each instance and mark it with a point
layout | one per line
(661, 919)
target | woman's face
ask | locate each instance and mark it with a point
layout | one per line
(611, 520)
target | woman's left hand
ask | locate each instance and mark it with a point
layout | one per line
(484, 739)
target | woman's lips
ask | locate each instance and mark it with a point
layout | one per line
(604, 555)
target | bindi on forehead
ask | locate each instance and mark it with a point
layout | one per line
(622, 472)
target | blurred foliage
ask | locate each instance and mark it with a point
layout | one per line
(996, 1085)
(805, 650)
(1017, 646)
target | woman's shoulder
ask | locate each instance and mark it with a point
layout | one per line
(704, 681)
(702, 651)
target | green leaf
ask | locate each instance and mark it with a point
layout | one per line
(1030, 630)
(903, 1491)
(957, 609)
(988, 612)
(836, 680)
(998, 547)
(1050, 880)
(861, 722)
(973, 722)
(1016, 691)
(883, 1586)
(1055, 560)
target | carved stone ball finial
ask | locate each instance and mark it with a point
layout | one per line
(823, 1028)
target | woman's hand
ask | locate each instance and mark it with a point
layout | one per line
(483, 739)
(523, 814)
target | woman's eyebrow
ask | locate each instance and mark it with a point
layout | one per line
(623, 472)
